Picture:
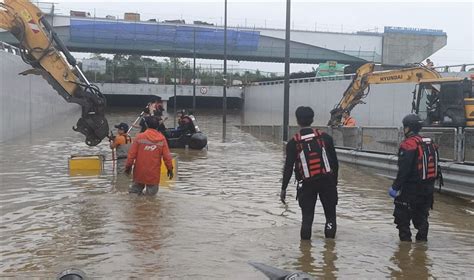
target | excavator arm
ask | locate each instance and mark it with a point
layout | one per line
(365, 76)
(42, 48)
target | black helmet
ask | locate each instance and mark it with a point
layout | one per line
(152, 122)
(413, 122)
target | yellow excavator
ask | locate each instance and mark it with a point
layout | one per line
(439, 101)
(41, 48)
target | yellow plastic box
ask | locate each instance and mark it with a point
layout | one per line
(86, 164)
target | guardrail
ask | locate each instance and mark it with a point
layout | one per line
(455, 144)
(468, 145)
(457, 177)
(376, 148)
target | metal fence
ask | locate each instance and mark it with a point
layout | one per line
(381, 139)
(455, 144)
(446, 139)
(469, 145)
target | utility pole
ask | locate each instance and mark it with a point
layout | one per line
(224, 101)
(286, 90)
(194, 69)
(174, 105)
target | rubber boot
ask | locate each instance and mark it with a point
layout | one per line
(404, 233)
(422, 235)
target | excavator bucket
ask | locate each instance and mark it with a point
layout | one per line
(336, 117)
(94, 127)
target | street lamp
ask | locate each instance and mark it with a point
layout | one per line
(194, 69)
(286, 89)
(224, 101)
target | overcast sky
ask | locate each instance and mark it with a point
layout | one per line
(455, 18)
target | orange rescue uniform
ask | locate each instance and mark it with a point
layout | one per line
(349, 122)
(120, 139)
(146, 153)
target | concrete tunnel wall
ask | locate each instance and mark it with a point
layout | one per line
(386, 104)
(27, 102)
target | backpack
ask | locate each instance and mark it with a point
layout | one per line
(311, 161)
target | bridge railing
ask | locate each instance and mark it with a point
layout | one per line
(461, 67)
(458, 67)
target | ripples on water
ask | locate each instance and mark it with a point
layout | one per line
(222, 212)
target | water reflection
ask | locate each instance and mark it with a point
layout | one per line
(322, 263)
(306, 261)
(411, 261)
(329, 259)
(145, 233)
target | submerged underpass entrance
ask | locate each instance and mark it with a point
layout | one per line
(222, 212)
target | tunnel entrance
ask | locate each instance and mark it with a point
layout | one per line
(182, 102)
(186, 102)
(123, 100)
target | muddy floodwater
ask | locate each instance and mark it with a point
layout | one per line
(221, 213)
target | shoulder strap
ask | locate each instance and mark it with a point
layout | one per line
(297, 137)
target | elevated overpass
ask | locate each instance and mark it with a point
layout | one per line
(394, 46)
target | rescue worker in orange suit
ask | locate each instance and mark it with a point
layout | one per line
(312, 155)
(145, 154)
(121, 143)
(414, 186)
(348, 121)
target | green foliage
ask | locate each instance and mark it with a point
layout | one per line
(130, 68)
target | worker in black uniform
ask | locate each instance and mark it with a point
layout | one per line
(413, 188)
(312, 155)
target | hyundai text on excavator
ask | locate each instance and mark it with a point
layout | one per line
(41, 48)
(438, 101)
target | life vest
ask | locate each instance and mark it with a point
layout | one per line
(193, 120)
(122, 150)
(311, 160)
(427, 158)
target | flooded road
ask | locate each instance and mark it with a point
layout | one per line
(222, 212)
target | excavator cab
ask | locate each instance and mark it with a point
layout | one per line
(444, 102)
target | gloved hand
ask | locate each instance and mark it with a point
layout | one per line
(283, 196)
(128, 170)
(393, 193)
(170, 174)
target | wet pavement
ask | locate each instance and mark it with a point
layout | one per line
(222, 212)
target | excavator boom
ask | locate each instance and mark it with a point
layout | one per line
(365, 76)
(42, 48)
